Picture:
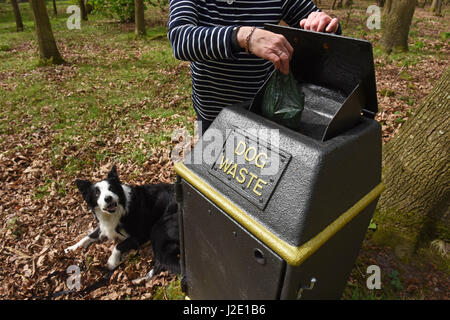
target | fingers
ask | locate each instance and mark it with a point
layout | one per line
(319, 21)
(280, 54)
(280, 61)
(333, 25)
(323, 22)
(273, 47)
(302, 23)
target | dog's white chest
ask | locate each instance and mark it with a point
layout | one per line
(108, 225)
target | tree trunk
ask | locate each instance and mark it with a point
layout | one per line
(396, 25)
(436, 7)
(84, 15)
(19, 24)
(44, 34)
(387, 7)
(55, 11)
(333, 6)
(348, 3)
(422, 4)
(416, 171)
(139, 17)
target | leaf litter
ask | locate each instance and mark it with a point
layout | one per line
(41, 211)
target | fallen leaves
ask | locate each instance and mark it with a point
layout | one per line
(44, 148)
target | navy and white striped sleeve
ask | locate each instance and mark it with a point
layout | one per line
(192, 42)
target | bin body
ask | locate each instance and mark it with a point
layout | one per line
(267, 211)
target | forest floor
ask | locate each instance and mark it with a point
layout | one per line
(117, 101)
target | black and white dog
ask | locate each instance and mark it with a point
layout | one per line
(134, 215)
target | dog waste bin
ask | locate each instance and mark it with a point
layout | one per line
(272, 213)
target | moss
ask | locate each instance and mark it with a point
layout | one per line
(408, 234)
(409, 225)
(169, 292)
(442, 231)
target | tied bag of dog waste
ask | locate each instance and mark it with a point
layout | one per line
(283, 101)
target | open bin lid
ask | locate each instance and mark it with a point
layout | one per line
(324, 61)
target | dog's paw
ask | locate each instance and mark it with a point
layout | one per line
(112, 263)
(150, 274)
(114, 260)
(71, 248)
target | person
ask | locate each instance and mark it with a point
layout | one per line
(231, 54)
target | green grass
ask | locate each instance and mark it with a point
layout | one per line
(112, 85)
(170, 292)
(119, 97)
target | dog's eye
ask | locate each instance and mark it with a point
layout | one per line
(97, 192)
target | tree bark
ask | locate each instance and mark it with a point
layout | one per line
(139, 17)
(84, 14)
(17, 15)
(422, 4)
(348, 3)
(416, 171)
(333, 5)
(44, 34)
(396, 25)
(387, 7)
(436, 7)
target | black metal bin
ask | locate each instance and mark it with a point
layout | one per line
(272, 213)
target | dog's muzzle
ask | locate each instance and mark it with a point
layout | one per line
(111, 207)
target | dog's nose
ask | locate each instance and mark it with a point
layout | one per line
(108, 199)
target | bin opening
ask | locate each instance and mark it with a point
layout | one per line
(337, 77)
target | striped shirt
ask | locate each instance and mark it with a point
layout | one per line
(200, 32)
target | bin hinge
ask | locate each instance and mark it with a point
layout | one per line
(310, 287)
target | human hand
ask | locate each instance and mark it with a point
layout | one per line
(320, 21)
(267, 45)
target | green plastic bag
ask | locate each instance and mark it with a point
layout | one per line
(283, 101)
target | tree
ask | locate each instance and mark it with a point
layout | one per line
(83, 10)
(416, 171)
(347, 3)
(44, 34)
(139, 17)
(55, 10)
(387, 7)
(436, 7)
(396, 25)
(422, 4)
(19, 24)
(336, 4)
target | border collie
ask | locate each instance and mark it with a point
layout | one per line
(133, 215)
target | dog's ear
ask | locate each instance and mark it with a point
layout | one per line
(83, 186)
(113, 173)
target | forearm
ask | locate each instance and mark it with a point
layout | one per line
(194, 43)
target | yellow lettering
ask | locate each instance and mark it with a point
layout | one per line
(258, 186)
(225, 164)
(251, 180)
(241, 143)
(242, 180)
(246, 154)
(233, 168)
(260, 164)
